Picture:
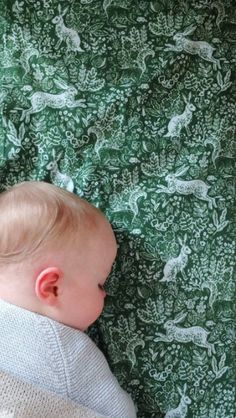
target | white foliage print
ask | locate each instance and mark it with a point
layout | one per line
(88, 81)
(13, 136)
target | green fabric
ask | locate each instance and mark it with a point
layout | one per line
(140, 122)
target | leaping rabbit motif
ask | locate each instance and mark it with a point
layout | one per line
(182, 409)
(196, 187)
(40, 100)
(181, 121)
(196, 335)
(200, 48)
(174, 265)
(70, 36)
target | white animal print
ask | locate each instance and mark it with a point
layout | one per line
(196, 187)
(70, 36)
(141, 59)
(196, 335)
(107, 3)
(200, 48)
(25, 57)
(178, 122)
(127, 201)
(174, 265)
(40, 100)
(216, 144)
(130, 350)
(58, 178)
(212, 287)
(116, 139)
(182, 409)
(219, 5)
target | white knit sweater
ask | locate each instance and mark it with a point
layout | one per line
(19, 399)
(60, 359)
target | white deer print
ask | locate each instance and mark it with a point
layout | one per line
(200, 48)
(196, 187)
(70, 36)
(174, 265)
(196, 335)
(178, 122)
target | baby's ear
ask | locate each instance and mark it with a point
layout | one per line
(47, 284)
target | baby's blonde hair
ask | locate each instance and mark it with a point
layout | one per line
(34, 214)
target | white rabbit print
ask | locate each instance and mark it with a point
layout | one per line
(176, 264)
(59, 179)
(201, 48)
(40, 100)
(197, 188)
(178, 122)
(196, 335)
(182, 409)
(70, 36)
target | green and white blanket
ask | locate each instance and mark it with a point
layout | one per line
(131, 105)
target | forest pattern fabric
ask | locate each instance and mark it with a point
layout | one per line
(131, 105)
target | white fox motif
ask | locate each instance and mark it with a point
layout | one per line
(178, 122)
(40, 100)
(182, 409)
(200, 48)
(196, 187)
(196, 335)
(70, 36)
(174, 265)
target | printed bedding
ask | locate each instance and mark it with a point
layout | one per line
(131, 105)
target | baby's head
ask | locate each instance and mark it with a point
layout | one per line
(56, 252)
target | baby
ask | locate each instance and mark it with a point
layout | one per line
(56, 251)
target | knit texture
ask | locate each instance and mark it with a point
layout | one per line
(59, 359)
(22, 400)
